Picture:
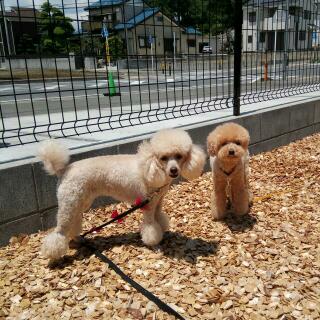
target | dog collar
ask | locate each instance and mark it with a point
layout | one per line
(227, 173)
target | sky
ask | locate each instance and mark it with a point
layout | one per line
(72, 8)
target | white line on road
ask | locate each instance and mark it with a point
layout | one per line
(6, 88)
(136, 82)
(101, 95)
(99, 83)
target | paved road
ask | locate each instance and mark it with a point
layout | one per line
(141, 93)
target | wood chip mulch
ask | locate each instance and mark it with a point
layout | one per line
(264, 266)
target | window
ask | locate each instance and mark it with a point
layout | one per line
(144, 42)
(302, 35)
(307, 14)
(262, 37)
(159, 18)
(191, 43)
(252, 17)
(296, 11)
(249, 39)
(271, 12)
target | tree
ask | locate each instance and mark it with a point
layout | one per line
(116, 48)
(25, 44)
(209, 16)
(55, 29)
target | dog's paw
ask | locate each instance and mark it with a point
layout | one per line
(54, 246)
(151, 234)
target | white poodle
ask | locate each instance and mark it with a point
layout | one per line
(168, 154)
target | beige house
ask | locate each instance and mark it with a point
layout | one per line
(145, 31)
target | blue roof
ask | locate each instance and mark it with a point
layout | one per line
(145, 14)
(192, 30)
(104, 3)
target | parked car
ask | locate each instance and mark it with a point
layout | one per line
(207, 49)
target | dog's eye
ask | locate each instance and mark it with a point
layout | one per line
(178, 156)
(164, 158)
(238, 143)
(224, 144)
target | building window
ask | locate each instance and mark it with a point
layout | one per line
(159, 18)
(249, 39)
(271, 12)
(296, 11)
(262, 37)
(252, 17)
(302, 35)
(109, 17)
(144, 42)
(191, 43)
(307, 15)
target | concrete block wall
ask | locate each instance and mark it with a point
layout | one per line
(28, 195)
(45, 63)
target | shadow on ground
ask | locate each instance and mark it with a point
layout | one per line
(174, 245)
(240, 224)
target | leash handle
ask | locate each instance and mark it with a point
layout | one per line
(120, 216)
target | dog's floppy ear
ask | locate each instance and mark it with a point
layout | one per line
(193, 166)
(212, 145)
(154, 174)
(245, 138)
(152, 171)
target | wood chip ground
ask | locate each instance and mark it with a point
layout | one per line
(265, 266)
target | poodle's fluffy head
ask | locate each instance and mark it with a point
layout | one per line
(169, 154)
(228, 142)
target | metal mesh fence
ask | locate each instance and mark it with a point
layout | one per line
(280, 49)
(71, 67)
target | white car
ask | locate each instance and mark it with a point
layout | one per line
(207, 49)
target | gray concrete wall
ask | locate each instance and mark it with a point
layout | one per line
(38, 63)
(28, 195)
(90, 63)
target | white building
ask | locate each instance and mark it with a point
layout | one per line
(288, 23)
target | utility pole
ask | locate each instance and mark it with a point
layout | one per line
(286, 45)
(238, 20)
(5, 26)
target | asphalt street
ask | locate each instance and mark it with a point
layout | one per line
(150, 91)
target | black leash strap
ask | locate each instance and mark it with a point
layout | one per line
(120, 216)
(161, 305)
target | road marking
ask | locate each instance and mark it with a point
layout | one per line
(6, 88)
(136, 82)
(53, 87)
(101, 94)
(99, 83)
(46, 88)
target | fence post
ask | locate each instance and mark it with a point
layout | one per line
(238, 18)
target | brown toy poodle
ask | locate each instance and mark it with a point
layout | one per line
(229, 159)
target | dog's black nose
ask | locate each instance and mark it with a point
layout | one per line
(231, 152)
(173, 170)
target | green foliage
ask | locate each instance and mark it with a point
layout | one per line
(116, 48)
(25, 44)
(96, 47)
(214, 16)
(92, 46)
(55, 28)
